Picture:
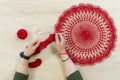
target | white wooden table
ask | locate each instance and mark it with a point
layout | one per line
(43, 14)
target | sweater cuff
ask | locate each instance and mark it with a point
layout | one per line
(75, 76)
(20, 76)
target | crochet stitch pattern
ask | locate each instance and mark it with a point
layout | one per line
(89, 33)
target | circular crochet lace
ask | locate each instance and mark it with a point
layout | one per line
(89, 33)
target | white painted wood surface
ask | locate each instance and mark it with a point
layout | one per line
(43, 14)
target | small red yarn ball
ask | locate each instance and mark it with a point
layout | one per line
(22, 33)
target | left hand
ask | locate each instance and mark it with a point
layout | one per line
(30, 49)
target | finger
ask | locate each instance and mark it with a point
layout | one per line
(34, 42)
(57, 38)
(61, 38)
(26, 46)
(37, 44)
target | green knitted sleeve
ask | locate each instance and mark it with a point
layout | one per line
(75, 76)
(20, 76)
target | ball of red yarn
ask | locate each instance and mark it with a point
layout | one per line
(22, 33)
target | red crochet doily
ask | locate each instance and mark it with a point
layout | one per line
(89, 33)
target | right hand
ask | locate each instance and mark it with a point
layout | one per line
(60, 43)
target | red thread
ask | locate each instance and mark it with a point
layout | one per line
(45, 43)
(89, 33)
(22, 33)
(42, 46)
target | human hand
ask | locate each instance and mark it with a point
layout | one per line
(60, 43)
(30, 48)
